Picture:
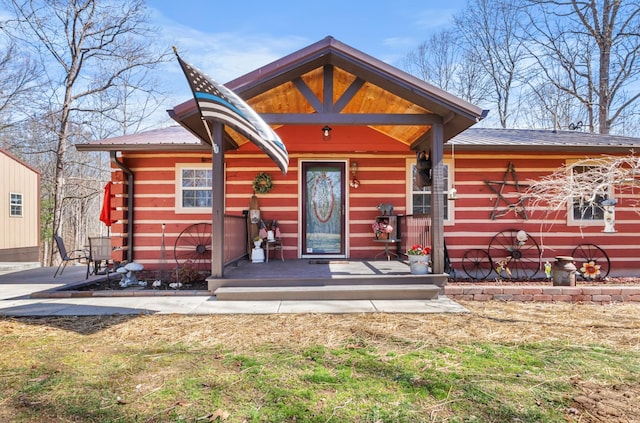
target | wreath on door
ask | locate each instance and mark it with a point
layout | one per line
(262, 183)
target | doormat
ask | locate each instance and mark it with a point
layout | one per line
(325, 261)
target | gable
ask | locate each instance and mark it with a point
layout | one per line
(331, 83)
(13, 159)
(350, 96)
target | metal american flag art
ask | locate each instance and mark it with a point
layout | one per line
(218, 103)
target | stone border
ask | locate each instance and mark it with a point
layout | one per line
(523, 293)
(536, 293)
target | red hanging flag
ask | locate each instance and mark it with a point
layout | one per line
(105, 214)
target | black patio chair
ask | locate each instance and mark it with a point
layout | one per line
(76, 255)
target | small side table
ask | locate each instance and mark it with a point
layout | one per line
(386, 251)
(274, 245)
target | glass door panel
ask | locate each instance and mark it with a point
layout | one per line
(323, 208)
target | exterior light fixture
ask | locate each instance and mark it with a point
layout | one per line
(453, 192)
(354, 183)
(326, 133)
(353, 168)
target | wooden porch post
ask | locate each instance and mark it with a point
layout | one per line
(217, 200)
(437, 199)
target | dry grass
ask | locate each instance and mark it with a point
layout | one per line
(95, 339)
(514, 323)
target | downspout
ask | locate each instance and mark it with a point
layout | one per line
(129, 174)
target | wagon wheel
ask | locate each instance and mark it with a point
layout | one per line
(476, 264)
(193, 247)
(518, 253)
(585, 254)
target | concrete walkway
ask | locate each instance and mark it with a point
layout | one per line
(16, 288)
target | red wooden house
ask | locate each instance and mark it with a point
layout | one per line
(491, 171)
(352, 125)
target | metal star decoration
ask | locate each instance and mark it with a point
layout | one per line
(517, 207)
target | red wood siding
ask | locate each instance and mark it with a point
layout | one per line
(382, 179)
(381, 171)
(382, 176)
(472, 227)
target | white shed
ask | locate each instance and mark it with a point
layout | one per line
(19, 211)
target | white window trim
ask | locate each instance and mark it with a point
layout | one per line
(178, 188)
(11, 204)
(571, 221)
(450, 220)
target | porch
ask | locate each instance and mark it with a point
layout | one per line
(319, 278)
(325, 279)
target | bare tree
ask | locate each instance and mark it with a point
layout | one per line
(550, 108)
(471, 82)
(442, 62)
(599, 178)
(491, 34)
(435, 60)
(480, 59)
(19, 77)
(589, 49)
(89, 48)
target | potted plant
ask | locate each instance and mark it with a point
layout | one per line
(382, 229)
(419, 258)
(257, 241)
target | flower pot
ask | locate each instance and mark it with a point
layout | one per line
(382, 235)
(257, 255)
(419, 265)
(257, 243)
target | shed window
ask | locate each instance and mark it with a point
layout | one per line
(15, 205)
(420, 199)
(193, 188)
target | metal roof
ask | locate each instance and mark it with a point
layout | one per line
(541, 140)
(170, 138)
(178, 138)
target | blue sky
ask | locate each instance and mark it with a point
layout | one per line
(227, 38)
(269, 30)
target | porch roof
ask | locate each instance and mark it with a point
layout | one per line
(174, 138)
(332, 83)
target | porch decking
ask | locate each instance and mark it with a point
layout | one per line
(325, 279)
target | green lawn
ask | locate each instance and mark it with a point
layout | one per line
(499, 363)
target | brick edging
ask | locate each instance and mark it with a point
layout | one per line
(536, 293)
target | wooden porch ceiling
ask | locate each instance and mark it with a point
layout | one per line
(330, 96)
(351, 101)
(330, 83)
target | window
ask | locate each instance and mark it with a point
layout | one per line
(193, 188)
(15, 205)
(420, 199)
(584, 210)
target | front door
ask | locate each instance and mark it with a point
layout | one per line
(323, 209)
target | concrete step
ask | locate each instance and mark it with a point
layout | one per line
(329, 292)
